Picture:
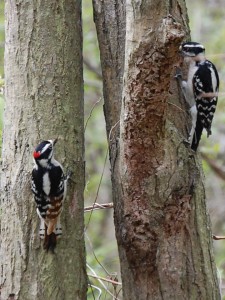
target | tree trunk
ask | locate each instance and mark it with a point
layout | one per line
(162, 227)
(44, 100)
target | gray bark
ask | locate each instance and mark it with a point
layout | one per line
(43, 100)
(162, 226)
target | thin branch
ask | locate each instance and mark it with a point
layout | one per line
(177, 107)
(97, 288)
(113, 127)
(92, 249)
(90, 114)
(100, 182)
(93, 83)
(216, 55)
(105, 279)
(97, 206)
(218, 237)
(92, 68)
(92, 292)
(101, 282)
(99, 185)
(220, 173)
(213, 165)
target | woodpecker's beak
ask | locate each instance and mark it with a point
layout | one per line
(55, 141)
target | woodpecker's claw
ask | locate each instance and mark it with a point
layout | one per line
(178, 74)
(186, 143)
(68, 174)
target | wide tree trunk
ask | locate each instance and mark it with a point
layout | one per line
(162, 226)
(43, 100)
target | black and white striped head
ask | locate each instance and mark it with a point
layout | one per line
(43, 153)
(192, 49)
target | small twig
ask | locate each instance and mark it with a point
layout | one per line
(176, 107)
(97, 206)
(101, 282)
(92, 68)
(97, 288)
(92, 292)
(93, 83)
(217, 169)
(99, 185)
(220, 173)
(100, 182)
(90, 114)
(92, 249)
(113, 127)
(218, 237)
(105, 279)
(220, 94)
(216, 55)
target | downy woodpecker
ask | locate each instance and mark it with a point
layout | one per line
(49, 189)
(200, 89)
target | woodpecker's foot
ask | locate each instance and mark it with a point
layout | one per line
(68, 174)
(186, 143)
(178, 73)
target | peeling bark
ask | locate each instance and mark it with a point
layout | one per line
(162, 226)
(44, 100)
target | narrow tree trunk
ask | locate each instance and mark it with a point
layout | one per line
(110, 20)
(44, 100)
(161, 222)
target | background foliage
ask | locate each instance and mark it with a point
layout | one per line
(207, 24)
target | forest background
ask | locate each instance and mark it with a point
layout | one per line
(207, 24)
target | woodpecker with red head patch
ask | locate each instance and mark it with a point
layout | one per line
(49, 189)
(200, 89)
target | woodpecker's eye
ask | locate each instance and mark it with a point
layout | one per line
(186, 49)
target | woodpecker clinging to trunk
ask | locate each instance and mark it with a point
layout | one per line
(200, 89)
(49, 189)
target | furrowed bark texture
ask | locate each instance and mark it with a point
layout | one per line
(162, 226)
(44, 100)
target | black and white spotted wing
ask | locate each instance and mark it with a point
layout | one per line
(48, 187)
(206, 80)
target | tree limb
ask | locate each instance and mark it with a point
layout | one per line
(92, 68)
(213, 165)
(97, 206)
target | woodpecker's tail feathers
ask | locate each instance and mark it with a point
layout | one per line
(51, 226)
(209, 131)
(50, 242)
(50, 231)
(196, 135)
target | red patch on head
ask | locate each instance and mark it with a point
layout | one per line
(36, 154)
